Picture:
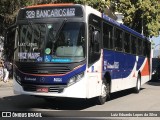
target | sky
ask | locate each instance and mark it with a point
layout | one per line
(156, 40)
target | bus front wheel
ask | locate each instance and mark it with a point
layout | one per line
(104, 93)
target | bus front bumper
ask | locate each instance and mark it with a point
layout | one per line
(77, 90)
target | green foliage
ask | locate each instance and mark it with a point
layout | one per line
(141, 15)
(97, 4)
(8, 12)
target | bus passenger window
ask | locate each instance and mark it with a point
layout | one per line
(133, 45)
(140, 51)
(107, 36)
(144, 48)
(136, 46)
(118, 40)
(127, 42)
(149, 49)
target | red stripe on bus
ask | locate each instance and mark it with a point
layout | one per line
(49, 5)
(145, 70)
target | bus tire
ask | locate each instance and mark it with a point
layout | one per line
(138, 85)
(104, 93)
(49, 100)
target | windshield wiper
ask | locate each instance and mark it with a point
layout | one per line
(60, 28)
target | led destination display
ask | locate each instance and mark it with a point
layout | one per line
(50, 12)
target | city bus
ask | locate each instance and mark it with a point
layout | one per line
(74, 51)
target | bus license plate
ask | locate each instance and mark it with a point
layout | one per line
(42, 89)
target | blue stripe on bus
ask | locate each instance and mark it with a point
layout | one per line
(120, 65)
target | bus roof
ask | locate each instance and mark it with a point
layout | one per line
(50, 5)
(105, 17)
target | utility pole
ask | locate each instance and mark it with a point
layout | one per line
(142, 21)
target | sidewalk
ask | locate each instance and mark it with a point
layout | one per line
(7, 84)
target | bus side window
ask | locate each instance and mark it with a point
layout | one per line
(118, 40)
(144, 47)
(140, 50)
(136, 45)
(133, 45)
(107, 36)
(149, 49)
(127, 42)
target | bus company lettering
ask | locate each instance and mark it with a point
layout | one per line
(24, 55)
(57, 80)
(114, 66)
(30, 79)
(63, 12)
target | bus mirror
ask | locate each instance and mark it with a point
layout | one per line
(8, 32)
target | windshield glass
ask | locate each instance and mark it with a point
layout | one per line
(55, 42)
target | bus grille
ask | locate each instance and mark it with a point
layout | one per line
(57, 88)
(44, 68)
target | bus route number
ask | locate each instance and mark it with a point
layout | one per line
(30, 14)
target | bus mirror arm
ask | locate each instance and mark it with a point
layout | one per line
(15, 49)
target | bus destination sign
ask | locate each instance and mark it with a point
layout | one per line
(50, 12)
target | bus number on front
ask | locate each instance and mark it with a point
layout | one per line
(30, 14)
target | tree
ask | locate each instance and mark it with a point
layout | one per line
(97, 4)
(141, 15)
(8, 12)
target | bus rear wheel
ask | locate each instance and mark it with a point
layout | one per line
(138, 85)
(104, 94)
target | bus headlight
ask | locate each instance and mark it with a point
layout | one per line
(75, 79)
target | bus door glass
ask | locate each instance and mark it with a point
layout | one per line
(94, 39)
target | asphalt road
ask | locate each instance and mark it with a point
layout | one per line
(147, 100)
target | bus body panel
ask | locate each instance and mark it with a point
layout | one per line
(124, 69)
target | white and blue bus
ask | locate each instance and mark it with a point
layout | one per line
(72, 50)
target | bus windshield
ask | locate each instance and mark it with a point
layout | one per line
(53, 42)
